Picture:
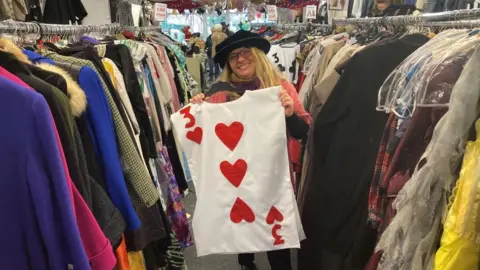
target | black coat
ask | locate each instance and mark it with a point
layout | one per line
(347, 134)
(64, 12)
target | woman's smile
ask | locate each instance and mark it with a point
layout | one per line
(243, 66)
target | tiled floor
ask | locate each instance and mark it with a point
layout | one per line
(217, 262)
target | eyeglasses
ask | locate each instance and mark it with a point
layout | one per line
(245, 53)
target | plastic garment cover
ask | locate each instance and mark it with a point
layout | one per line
(410, 240)
(426, 77)
(237, 154)
(460, 248)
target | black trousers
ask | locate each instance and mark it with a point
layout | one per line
(279, 259)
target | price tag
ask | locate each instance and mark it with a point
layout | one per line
(272, 13)
(311, 12)
(160, 12)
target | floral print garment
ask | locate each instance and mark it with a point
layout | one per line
(175, 207)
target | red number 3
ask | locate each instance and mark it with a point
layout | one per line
(278, 238)
(187, 115)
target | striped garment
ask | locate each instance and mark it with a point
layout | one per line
(175, 258)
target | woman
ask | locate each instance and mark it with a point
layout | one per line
(246, 67)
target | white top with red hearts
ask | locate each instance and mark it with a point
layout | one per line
(237, 155)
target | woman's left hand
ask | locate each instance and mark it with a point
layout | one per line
(287, 103)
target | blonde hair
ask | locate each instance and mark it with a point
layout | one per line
(265, 71)
(217, 38)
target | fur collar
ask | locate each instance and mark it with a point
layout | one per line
(78, 99)
(8, 46)
(76, 96)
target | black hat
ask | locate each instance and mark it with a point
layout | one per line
(241, 39)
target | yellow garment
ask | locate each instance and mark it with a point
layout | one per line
(108, 67)
(459, 247)
(136, 260)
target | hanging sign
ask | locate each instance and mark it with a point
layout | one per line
(311, 12)
(272, 13)
(160, 12)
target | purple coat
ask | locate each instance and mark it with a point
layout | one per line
(37, 221)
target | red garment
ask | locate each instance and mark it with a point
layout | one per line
(374, 261)
(128, 34)
(278, 36)
(186, 32)
(122, 256)
(262, 29)
(294, 146)
(6, 74)
(378, 186)
(295, 151)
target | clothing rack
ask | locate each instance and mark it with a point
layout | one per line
(293, 26)
(255, 25)
(18, 28)
(303, 26)
(453, 24)
(403, 20)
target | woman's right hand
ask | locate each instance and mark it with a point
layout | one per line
(198, 99)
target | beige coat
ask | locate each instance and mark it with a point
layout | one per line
(13, 9)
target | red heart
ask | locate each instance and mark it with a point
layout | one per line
(229, 135)
(234, 173)
(195, 135)
(241, 211)
(274, 215)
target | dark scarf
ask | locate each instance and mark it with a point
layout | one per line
(236, 86)
(247, 85)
